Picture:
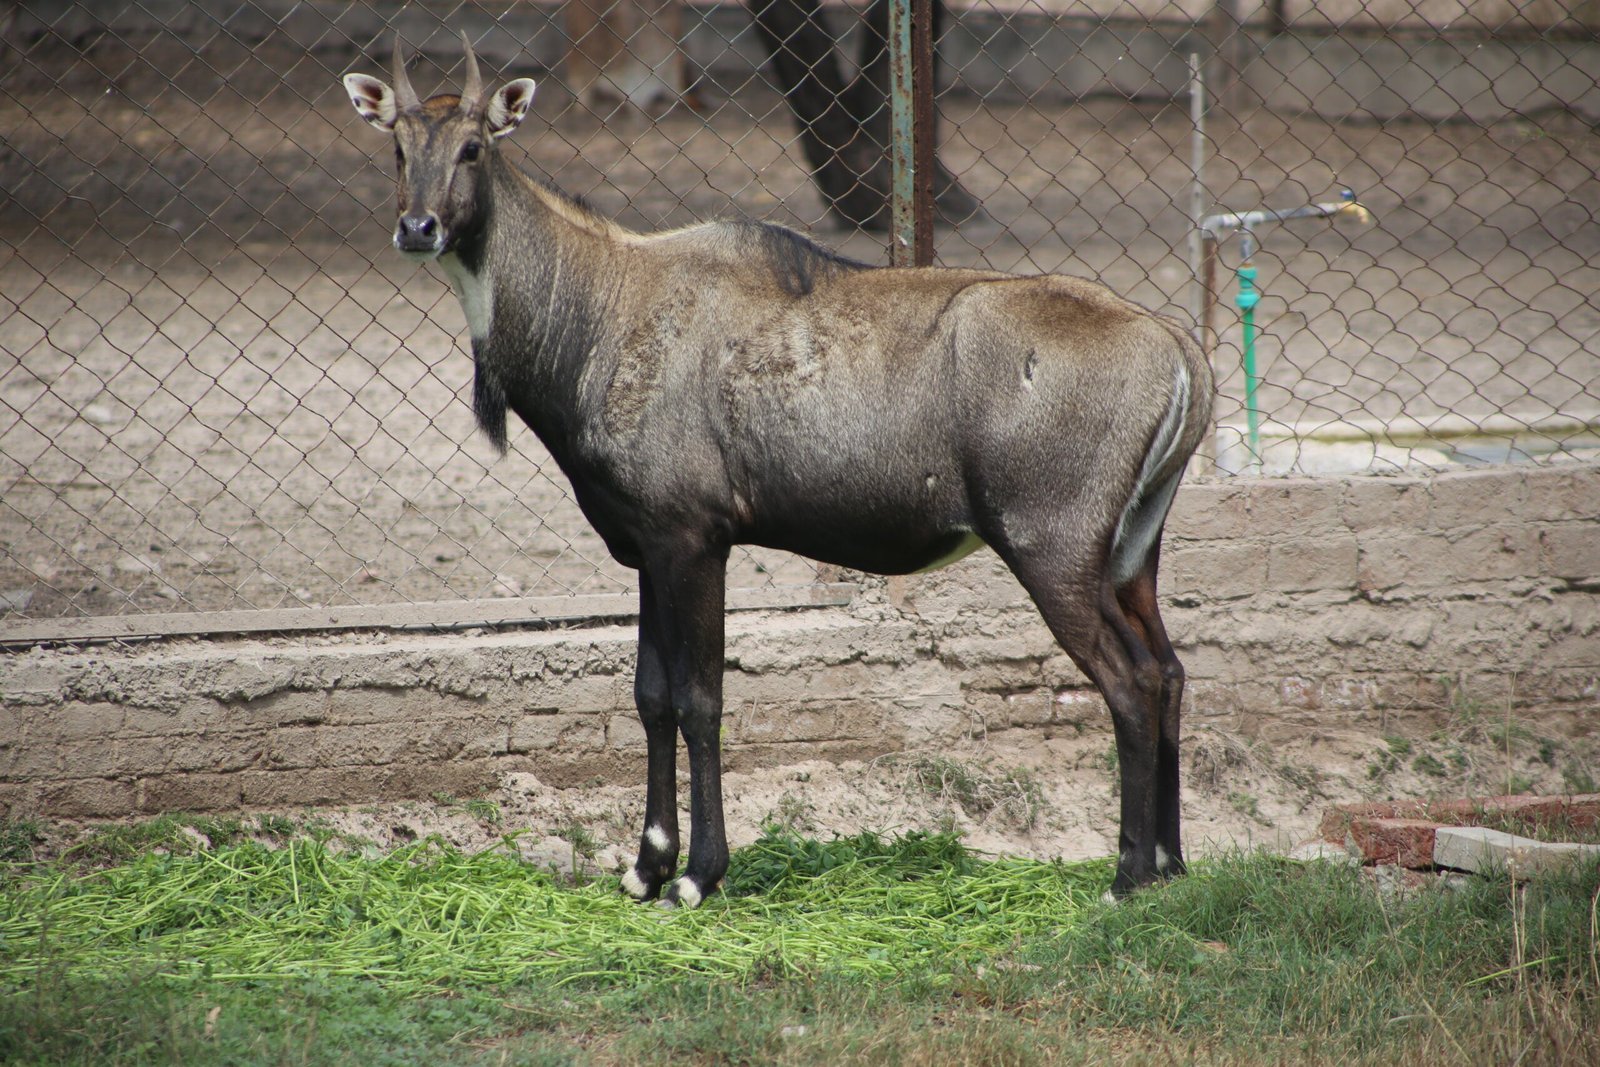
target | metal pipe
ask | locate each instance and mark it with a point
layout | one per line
(1218, 225)
(1213, 228)
(911, 131)
(1197, 189)
(1202, 251)
(924, 132)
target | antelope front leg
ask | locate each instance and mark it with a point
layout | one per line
(658, 842)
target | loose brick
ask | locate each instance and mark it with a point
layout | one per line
(1580, 811)
(1336, 821)
(1407, 842)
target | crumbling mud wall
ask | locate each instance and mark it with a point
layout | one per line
(1296, 605)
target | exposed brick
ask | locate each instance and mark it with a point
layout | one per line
(1384, 503)
(283, 706)
(1210, 512)
(1495, 552)
(343, 785)
(1558, 494)
(1427, 561)
(1571, 551)
(31, 762)
(14, 722)
(80, 722)
(625, 732)
(1294, 506)
(188, 792)
(535, 733)
(1027, 709)
(1408, 842)
(1327, 562)
(1220, 570)
(19, 800)
(367, 705)
(187, 719)
(1476, 498)
(88, 798)
(460, 778)
(767, 723)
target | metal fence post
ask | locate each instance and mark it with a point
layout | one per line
(911, 126)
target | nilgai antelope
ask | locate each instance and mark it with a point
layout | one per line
(734, 383)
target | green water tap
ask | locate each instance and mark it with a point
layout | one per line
(1213, 228)
(1249, 296)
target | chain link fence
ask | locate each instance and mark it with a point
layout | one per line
(222, 390)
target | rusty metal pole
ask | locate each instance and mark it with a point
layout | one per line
(911, 131)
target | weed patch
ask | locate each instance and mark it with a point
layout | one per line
(1013, 796)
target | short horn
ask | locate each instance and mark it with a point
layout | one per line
(405, 97)
(474, 85)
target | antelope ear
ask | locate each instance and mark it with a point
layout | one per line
(509, 106)
(373, 100)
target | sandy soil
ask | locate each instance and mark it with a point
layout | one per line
(1019, 792)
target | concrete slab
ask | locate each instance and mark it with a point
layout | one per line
(1480, 849)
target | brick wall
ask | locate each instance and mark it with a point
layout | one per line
(1295, 605)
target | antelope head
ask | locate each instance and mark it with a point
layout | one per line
(442, 148)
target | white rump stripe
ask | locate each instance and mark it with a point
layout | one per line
(1148, 504)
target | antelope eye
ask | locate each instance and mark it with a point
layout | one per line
(470, 151)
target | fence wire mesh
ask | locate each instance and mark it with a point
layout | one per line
(220, 387)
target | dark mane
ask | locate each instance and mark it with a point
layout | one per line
(795, 259)
(572, 198)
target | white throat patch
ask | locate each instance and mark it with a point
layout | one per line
(475, 293)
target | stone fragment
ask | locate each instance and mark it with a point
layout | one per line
(1480, 849)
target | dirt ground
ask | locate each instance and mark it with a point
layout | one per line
(1033, 793)
(220, 389)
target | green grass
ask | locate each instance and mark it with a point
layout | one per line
(856, 950)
